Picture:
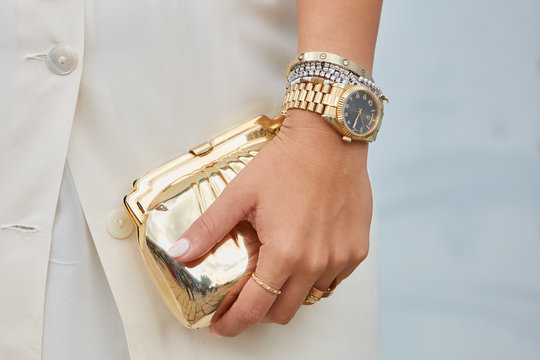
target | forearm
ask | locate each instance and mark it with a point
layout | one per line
(344, 27)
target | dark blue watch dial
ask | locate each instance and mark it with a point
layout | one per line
(360, 112)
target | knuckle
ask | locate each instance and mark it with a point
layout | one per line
(286, 259)
(360, 255)
(315, 264)
(250, 316)
(205, 225)
(338, 258)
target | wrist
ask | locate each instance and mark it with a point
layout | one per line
(309, 127)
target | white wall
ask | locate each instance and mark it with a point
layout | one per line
(456, 176)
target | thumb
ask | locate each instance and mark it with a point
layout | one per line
(231, 207)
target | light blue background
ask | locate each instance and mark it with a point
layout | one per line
(456, 177)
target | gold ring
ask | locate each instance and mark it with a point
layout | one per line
(311, 299)
(321, 294)
(265, 286)
(315, 294)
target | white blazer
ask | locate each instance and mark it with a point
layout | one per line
(153, 78)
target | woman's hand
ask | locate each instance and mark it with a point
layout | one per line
(308, 196)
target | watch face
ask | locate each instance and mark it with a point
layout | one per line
(360, 112)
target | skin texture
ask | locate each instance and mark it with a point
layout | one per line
(312, 211)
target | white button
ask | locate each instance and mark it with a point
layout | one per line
(119, 224)
(62, 59)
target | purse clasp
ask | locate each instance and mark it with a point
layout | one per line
(202, 149)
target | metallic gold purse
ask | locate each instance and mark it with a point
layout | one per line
(166, 201)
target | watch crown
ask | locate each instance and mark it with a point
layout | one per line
(346, 139)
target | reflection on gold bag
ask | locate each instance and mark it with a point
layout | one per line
(165, 202)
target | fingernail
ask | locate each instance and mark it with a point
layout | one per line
(179, 248)
(213, 333)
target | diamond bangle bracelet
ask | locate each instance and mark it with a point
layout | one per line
(329, 73)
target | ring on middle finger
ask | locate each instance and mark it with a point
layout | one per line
(311, 299)
(315, 294)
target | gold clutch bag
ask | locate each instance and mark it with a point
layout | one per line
(166, 201)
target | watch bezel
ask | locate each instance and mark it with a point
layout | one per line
(370, 136)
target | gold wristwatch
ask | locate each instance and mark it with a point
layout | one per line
(355, 111)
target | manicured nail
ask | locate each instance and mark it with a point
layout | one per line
(213, 333)
(179, 248)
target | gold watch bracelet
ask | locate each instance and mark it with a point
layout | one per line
(313, 96)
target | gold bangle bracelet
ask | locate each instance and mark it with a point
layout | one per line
(331, 59)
